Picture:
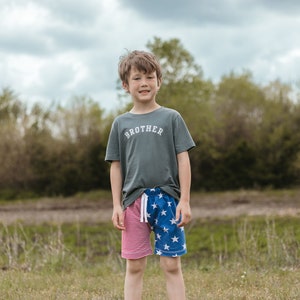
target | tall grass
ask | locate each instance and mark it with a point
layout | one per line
(253, 242)
(245, 258)
(25, 249)
(269, 246)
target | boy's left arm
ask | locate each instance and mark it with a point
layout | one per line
(184, 171)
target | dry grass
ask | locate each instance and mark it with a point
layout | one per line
(53, 272)
(98, 283)
(255, 260)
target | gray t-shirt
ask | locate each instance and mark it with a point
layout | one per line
(147, 146)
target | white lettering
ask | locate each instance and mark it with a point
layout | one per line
(143, 129)
(160, 130)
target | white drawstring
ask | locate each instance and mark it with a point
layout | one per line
(144, 201)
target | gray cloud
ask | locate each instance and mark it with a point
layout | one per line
(73, 12)
(210, 12)
(290, 7)
(65, 38)
(22, 42)
(203, 12)
(52, 49)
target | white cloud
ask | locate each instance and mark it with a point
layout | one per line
(289, 57)
(52, 50)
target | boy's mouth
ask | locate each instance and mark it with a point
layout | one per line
(144, 92)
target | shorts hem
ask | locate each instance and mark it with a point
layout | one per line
(136, 255)
(169, 254)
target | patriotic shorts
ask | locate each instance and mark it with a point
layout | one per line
(153, 211)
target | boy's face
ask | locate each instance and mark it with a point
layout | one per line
(142, 87)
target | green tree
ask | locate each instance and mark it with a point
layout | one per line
(80, 128)
(13, 160)
(278, 141)
(256, 141)
(66, 148)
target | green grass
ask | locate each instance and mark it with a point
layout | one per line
(103, 282)
(240, 258)
(253, 241)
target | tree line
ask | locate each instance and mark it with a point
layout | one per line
(247, 134)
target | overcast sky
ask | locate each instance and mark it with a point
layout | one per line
(51, 50)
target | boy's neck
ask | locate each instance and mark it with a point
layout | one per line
(144, 108)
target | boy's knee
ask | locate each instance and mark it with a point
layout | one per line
(170, 264)
(136, 265)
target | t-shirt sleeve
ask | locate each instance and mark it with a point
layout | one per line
(182, 137)
(113, 149)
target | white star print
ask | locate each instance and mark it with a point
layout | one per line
(169, 203)
(166, 247)
(156, 221)
(154, 205)
(184, 246)
(158, 236)
(175, 239)
(152, 190)
(166, 229)
(160, 195)
(175, 255)
(158, 252)
(173, 221)
(163, 212)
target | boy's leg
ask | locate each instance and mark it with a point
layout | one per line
(134, 278)
(171, 267)
(135, 248)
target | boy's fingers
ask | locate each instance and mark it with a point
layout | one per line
(118, 221)
(179, 218)
(185, 219)
(121, 221)
(120, 224)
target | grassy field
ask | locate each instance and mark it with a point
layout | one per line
(103, 282)
(228, 258)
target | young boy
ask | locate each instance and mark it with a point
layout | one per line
(150, 177)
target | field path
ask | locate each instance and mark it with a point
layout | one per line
(204, 205)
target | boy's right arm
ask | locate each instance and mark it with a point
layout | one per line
(116, 189)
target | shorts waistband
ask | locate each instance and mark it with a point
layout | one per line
(153, 191)
(144, 202)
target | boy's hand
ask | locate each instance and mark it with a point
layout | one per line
(183, 210)
(118, 218)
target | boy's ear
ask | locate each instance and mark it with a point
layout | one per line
(125, 86)
(159, 82)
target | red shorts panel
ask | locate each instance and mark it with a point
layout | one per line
(136, 237)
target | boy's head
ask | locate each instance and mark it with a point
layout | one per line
(143, 61)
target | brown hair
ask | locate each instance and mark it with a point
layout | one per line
(142, 60)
